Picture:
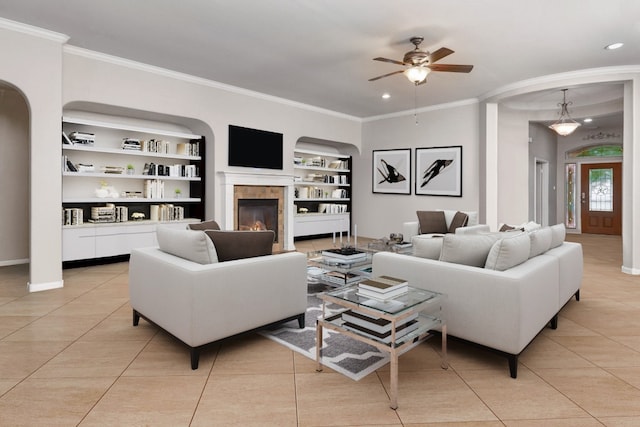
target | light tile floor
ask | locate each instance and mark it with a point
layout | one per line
(71, 357)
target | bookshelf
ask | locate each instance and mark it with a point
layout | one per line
(135, 169)
(322, 192)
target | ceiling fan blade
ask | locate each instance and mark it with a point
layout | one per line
(439, 54)
(393, 61)
(451, 68)
(386, 75)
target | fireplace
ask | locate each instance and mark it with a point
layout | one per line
(258, 214)
(238, 185)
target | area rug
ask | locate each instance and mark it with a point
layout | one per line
(345, 355)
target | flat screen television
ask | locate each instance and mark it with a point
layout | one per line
(255, 148)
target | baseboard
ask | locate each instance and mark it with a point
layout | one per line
(14, 262)
(37, 287)
(627, 270)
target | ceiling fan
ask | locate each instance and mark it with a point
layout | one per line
(421, 63)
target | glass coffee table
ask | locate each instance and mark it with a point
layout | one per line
(394, 326)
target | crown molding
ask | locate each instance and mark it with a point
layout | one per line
(74, 50)
(590, 75)
(33, 31)
(445, 106)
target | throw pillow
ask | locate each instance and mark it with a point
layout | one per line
(204, 225)
(507, 227)
(192, 245)
(427, 246)
(540, 241)
(232, 245)
(468, 249)
(558, 233)
(508, 252)
(460, 219)
(432, 222)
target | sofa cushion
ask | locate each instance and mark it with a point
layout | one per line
(232, 245)
(508, 252)
(432, 222)
(558, 234)
(468, 249)
(507, 227)
(540, 241)
(204, 225)
(460, 219)
(193, 245)
(427, 246)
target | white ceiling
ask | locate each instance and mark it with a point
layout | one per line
(319, 52)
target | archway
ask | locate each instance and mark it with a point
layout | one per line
(14, 174)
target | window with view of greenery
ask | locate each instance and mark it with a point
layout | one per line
(608, 150)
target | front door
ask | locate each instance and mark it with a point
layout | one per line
(601, 198)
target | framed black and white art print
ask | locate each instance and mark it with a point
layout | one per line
(392, 171)
(439, 171)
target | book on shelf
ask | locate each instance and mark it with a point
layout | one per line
(374, 323)
(385, 337)
(348, 253)
(383, 284)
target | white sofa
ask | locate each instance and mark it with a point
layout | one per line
(500, 310)
(200, 303)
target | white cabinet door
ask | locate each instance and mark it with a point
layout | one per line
(78, 243)
(119, 240)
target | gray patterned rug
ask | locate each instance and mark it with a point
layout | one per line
(340, 353)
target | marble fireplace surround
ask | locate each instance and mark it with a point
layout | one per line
(259, 185)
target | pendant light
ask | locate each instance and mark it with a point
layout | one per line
(565, 125)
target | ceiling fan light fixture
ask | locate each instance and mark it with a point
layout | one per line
(416, 74)
(565, 125)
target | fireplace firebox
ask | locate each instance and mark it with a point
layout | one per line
(258, 214)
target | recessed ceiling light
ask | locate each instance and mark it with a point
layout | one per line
(588, 120)
(386, 96)
(614, 46)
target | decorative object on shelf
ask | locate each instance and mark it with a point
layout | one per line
(178, 193)
(565, 125)
(130, 169)
(392, 171)
(439, 171)
(106, 190)
(137, 216)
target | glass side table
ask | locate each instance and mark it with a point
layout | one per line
(394, 326)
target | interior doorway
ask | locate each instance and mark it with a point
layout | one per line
(601, 198)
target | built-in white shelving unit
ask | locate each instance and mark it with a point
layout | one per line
(174, 199)
(322, 192)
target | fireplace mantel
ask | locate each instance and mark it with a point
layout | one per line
(231, 179)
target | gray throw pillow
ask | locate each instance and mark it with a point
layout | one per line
(508, 252)
(467, 249)
(460, 219)
(558, 234)
(192, 245)
(540, 241)
(204, 225)
(432, 222)
(232, 245)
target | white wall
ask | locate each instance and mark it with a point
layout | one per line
(513, 166)
(543, 146)
(14, 176)
(378, 215)
(33, 64)
(96, 78)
